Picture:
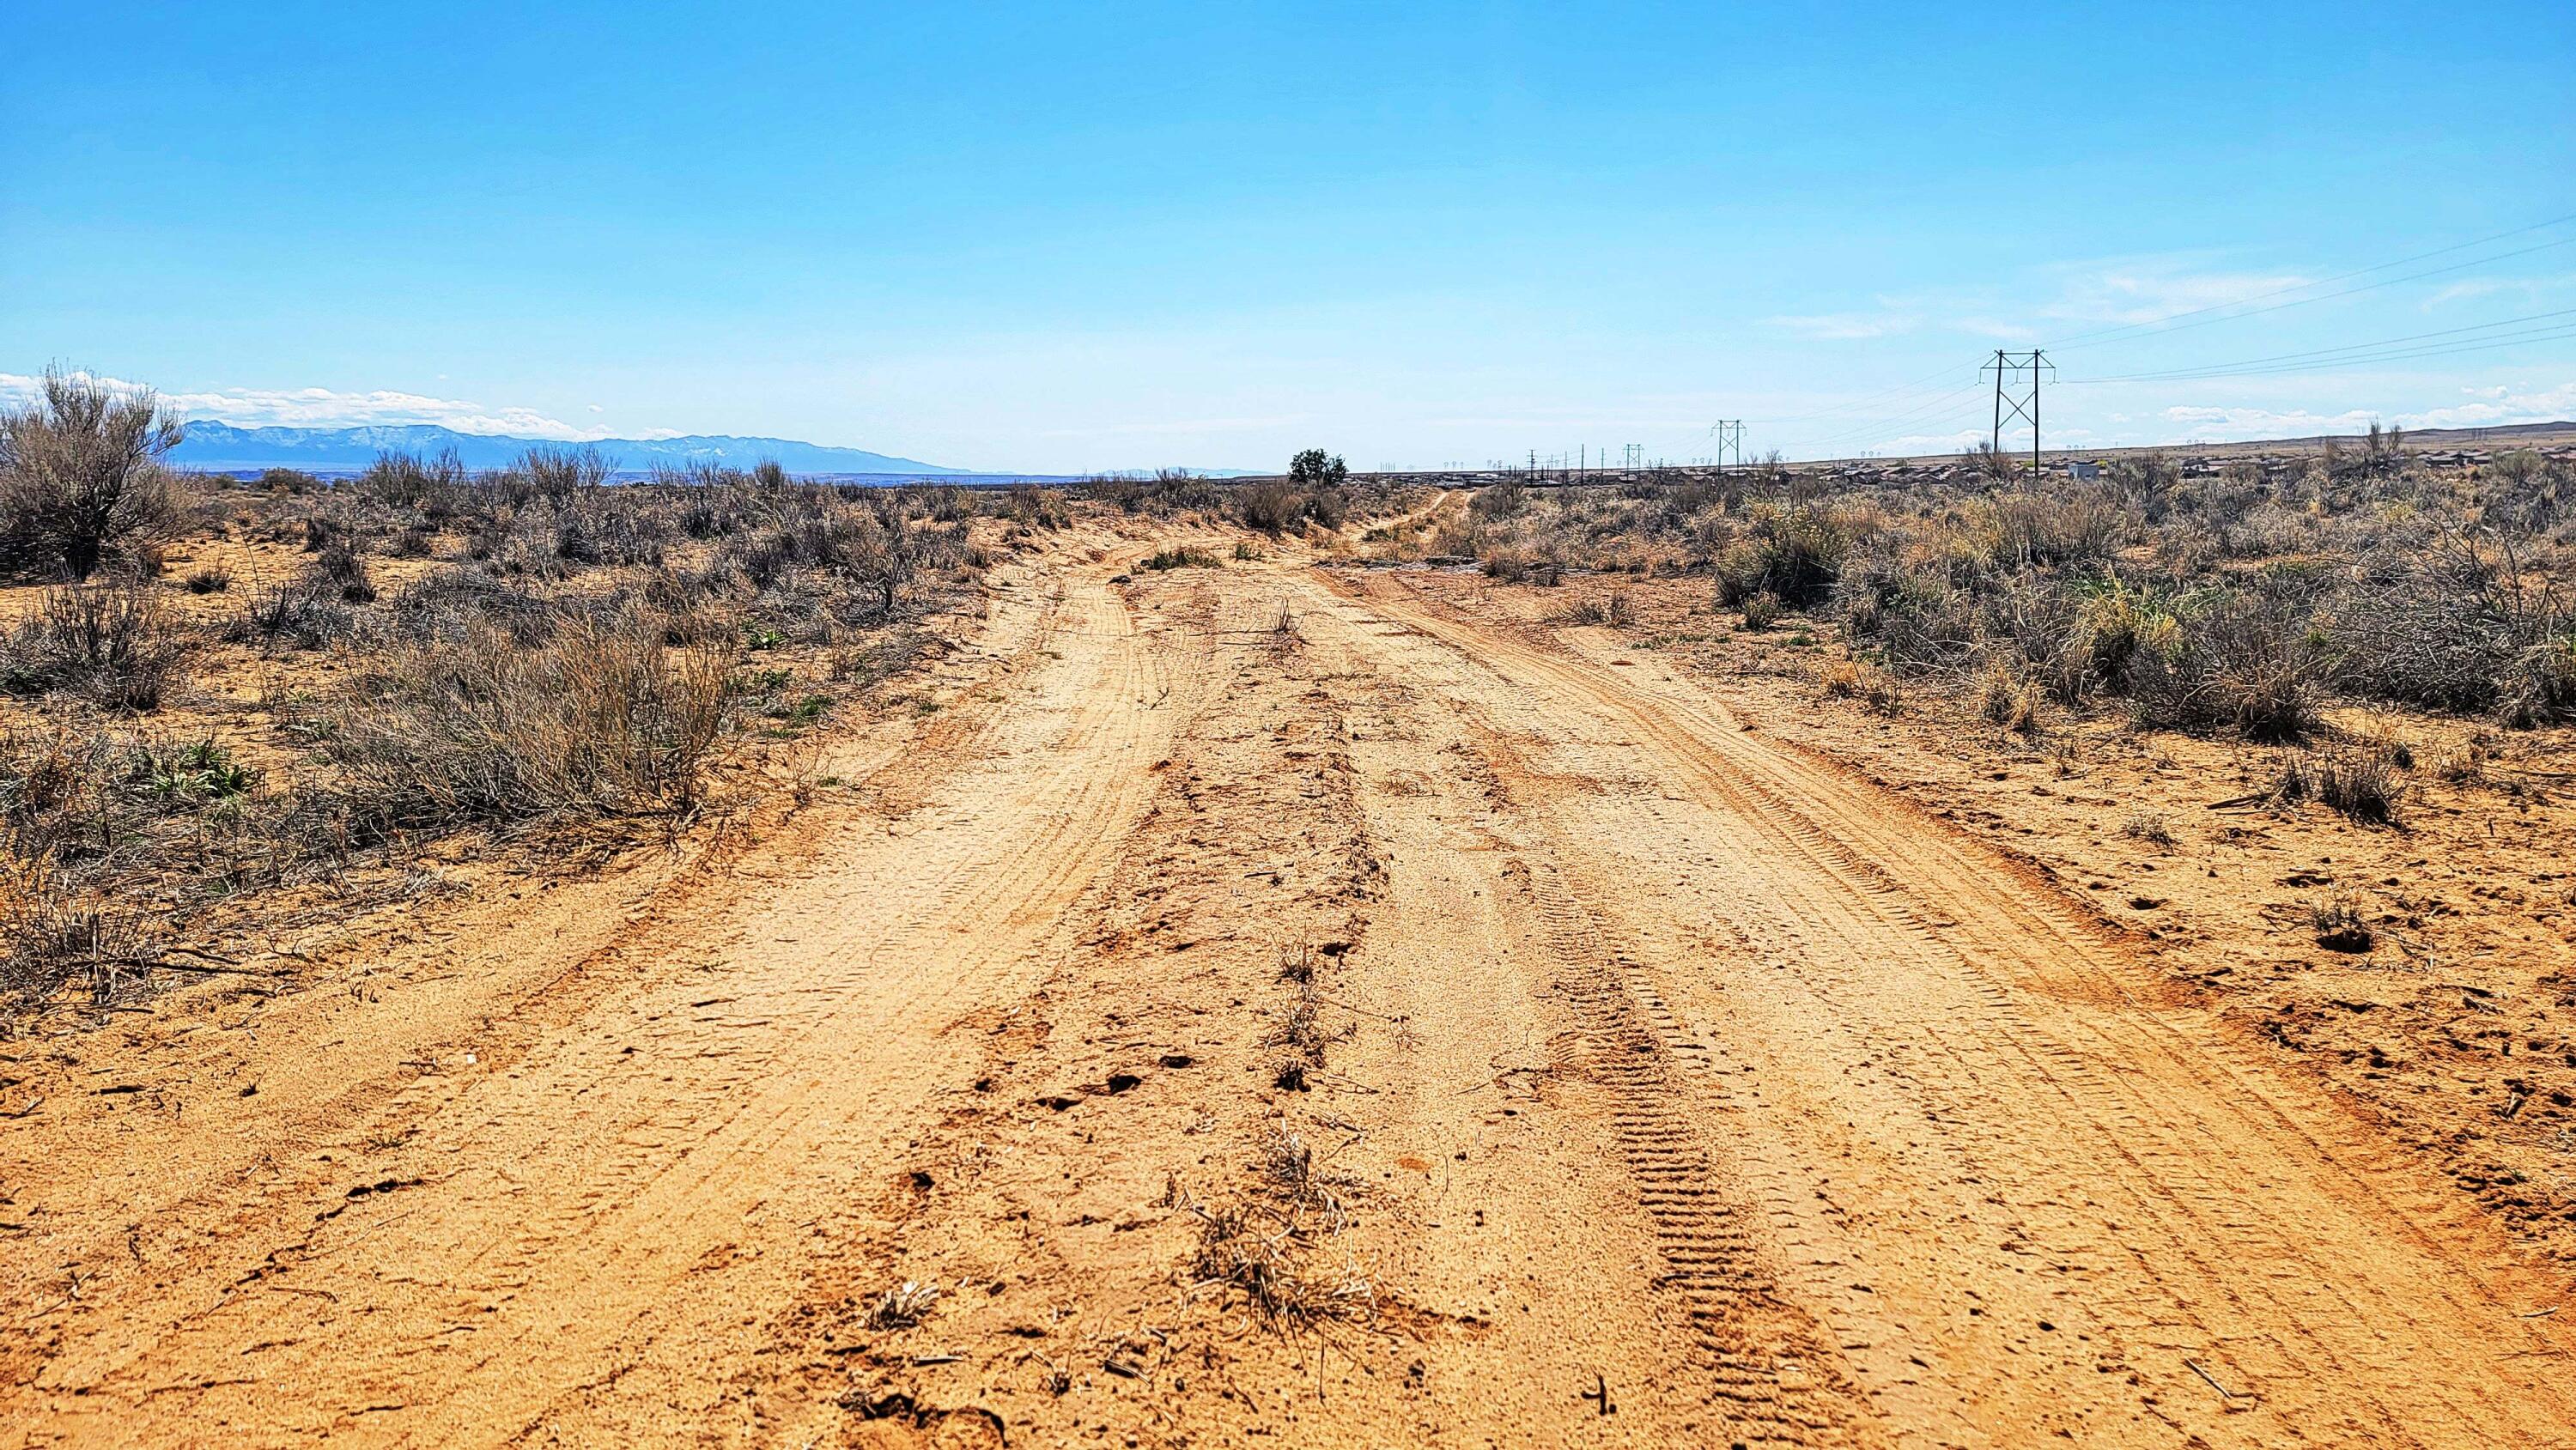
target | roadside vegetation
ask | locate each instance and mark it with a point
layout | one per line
(2233, 600)
(224, 700)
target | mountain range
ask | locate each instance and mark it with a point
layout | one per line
(221, 447)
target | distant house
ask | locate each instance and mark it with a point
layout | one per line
(2076, 468)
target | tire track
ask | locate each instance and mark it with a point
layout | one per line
(2007, 1011)
(568, 1238)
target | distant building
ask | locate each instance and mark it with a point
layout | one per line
(2076, 468)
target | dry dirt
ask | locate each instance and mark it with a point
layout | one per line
(1584, 1061)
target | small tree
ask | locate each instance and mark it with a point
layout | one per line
(81, 477)
(1317, 469)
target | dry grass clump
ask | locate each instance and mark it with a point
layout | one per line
(2360, 781)
(2149, 826)
(106, 642)
(54, 937)
(1276, 505)
(604, 718)
(81, 481)
(2340, 927)
(2245, 664)
(1860, 680)
(1264, 1255)
(903, 1306)
(2009, 701)
(1794, 554)
(306, 612)
(1616, 609)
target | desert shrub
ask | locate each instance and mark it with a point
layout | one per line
(2076, 526)
(1761, 611)
(1508, 499)
(603, 719)
(1616, 610)
(864, 561)
(306, 612)
(2243, 662)
(1183, 558)
(209, 581)
(1796, 553)
(449, 602)
(81, 480)
(2430, 628)
(432, 487)
(2148, 481)
(1994, 465)
(2035, 623)
(104, 641)
(598, 524)
(1270, 505)
(2116, 624)
(2455, 625)
(551, 474)
(2540, 685)
(1166, 492)
(340, 566)
(1927, 624)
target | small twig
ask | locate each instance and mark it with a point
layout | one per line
(1363, 1011)
(201, 967)
(2224, 1392)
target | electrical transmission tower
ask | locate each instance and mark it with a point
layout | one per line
(1730, 441)
(2010, 369)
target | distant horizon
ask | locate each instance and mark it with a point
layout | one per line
(929, 471)
(1458, 232)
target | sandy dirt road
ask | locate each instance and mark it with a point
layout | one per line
(1661, 1085)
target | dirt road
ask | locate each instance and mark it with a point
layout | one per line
(1657, 1084)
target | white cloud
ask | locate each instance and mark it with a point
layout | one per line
(2529, 289)
(1847, 326)
(1195, 425)
(324, 408)
(2130, 293)
(2499, 406)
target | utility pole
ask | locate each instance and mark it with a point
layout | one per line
(1730, 439)
(2010, 370)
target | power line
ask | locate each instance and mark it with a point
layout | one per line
(2347, 292)
(2089, 338)
(1899, 391)
(2404, 355)
(2329, 355)
(1953, 399)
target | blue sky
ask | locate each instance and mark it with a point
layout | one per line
(1070, 237)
